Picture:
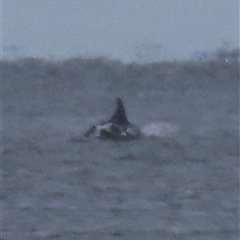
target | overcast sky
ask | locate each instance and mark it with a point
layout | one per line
(124, 29)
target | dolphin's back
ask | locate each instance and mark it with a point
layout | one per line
(117, 128)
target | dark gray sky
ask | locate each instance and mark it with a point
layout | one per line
(124, 29)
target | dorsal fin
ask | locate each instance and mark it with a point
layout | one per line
(119, 117)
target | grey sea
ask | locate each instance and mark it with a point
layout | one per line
(180, 181)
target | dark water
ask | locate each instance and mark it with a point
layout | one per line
(179, 182)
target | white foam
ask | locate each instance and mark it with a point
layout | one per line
(159, 129)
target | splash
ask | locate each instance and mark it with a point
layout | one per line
(159, 129)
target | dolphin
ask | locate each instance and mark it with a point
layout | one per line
(117, 127)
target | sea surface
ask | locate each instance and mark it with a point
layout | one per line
(180, 181)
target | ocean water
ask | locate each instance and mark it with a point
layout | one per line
(180, 181)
